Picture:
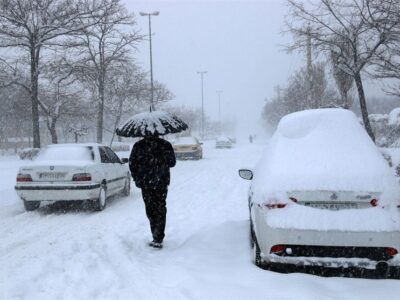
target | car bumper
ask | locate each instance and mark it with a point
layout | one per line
(58, 192)
(267, 237)
(223, 146)
(188, 155)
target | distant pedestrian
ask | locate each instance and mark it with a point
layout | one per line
(149, 163)
(251, 139)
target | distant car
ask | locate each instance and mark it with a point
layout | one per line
(70, 172)
(323, 196)
(28, 153)
(223, 142)
(188, 147)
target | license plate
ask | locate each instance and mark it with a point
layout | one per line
(332, 206)
(52, 175)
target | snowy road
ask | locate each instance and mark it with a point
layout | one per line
(77, 254)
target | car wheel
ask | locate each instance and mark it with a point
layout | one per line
(100, 203)
(31, 205)
(127, 187)
(257, 254)
(395, 274)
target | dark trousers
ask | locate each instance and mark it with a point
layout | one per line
(156, 210)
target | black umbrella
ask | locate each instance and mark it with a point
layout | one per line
(151, 123)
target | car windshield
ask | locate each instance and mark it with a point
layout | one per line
(67, 153)
(222, 139)
(188, 140)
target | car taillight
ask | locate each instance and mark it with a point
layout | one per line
(391, 251)
(273, 205)
(277, 248)
(374, 202)
(82, 177)
(24, 177)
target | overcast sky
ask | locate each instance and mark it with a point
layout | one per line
(236, 42)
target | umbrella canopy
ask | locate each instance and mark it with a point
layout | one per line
(151, 123)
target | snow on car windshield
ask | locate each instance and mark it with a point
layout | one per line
(66, 153)
(188, 140)
(223, 139)
(322, 149)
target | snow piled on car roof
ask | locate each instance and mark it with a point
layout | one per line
(66, 153)
(322, 149)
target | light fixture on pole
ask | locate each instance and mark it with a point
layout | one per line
(202, 101)
(155, 13)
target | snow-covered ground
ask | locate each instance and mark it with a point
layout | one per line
(78, 254)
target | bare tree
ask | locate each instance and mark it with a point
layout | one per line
(123, 92)
(297, 94)
(388, 66)
(33, 25)
(344, 81)
(60, 91)
(364, 26)
(100, 47)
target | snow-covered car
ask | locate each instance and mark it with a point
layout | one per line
(188, 147)
(323, 195)
(70, 172)
(223, 142)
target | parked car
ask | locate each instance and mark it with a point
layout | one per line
(188, 147)
(70, 172)
(28, 153)
(223, 142)
(323, 195)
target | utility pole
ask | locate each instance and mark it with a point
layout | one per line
(202, 102)
(155, 13)
(219, 92)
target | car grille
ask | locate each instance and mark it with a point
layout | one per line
(372, 253)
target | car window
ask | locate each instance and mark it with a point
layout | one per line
(104, 155)
(113, 157)
(66, 152)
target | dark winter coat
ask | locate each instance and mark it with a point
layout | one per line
(150, 161)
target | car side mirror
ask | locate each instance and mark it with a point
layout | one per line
(246, 174)
(124, 160)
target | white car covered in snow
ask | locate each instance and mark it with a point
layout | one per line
(324, 196)
(69, 172)
(223, 142)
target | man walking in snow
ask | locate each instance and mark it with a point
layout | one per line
(149, 163)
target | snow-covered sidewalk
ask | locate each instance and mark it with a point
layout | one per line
(78, 254)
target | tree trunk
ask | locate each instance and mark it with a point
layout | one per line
(51, 126)
(100, 112)
(363, 105)
(53, 132)
(34, 96)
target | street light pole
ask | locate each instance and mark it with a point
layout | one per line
(202, 102)
(219, 92)
(155, 13)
